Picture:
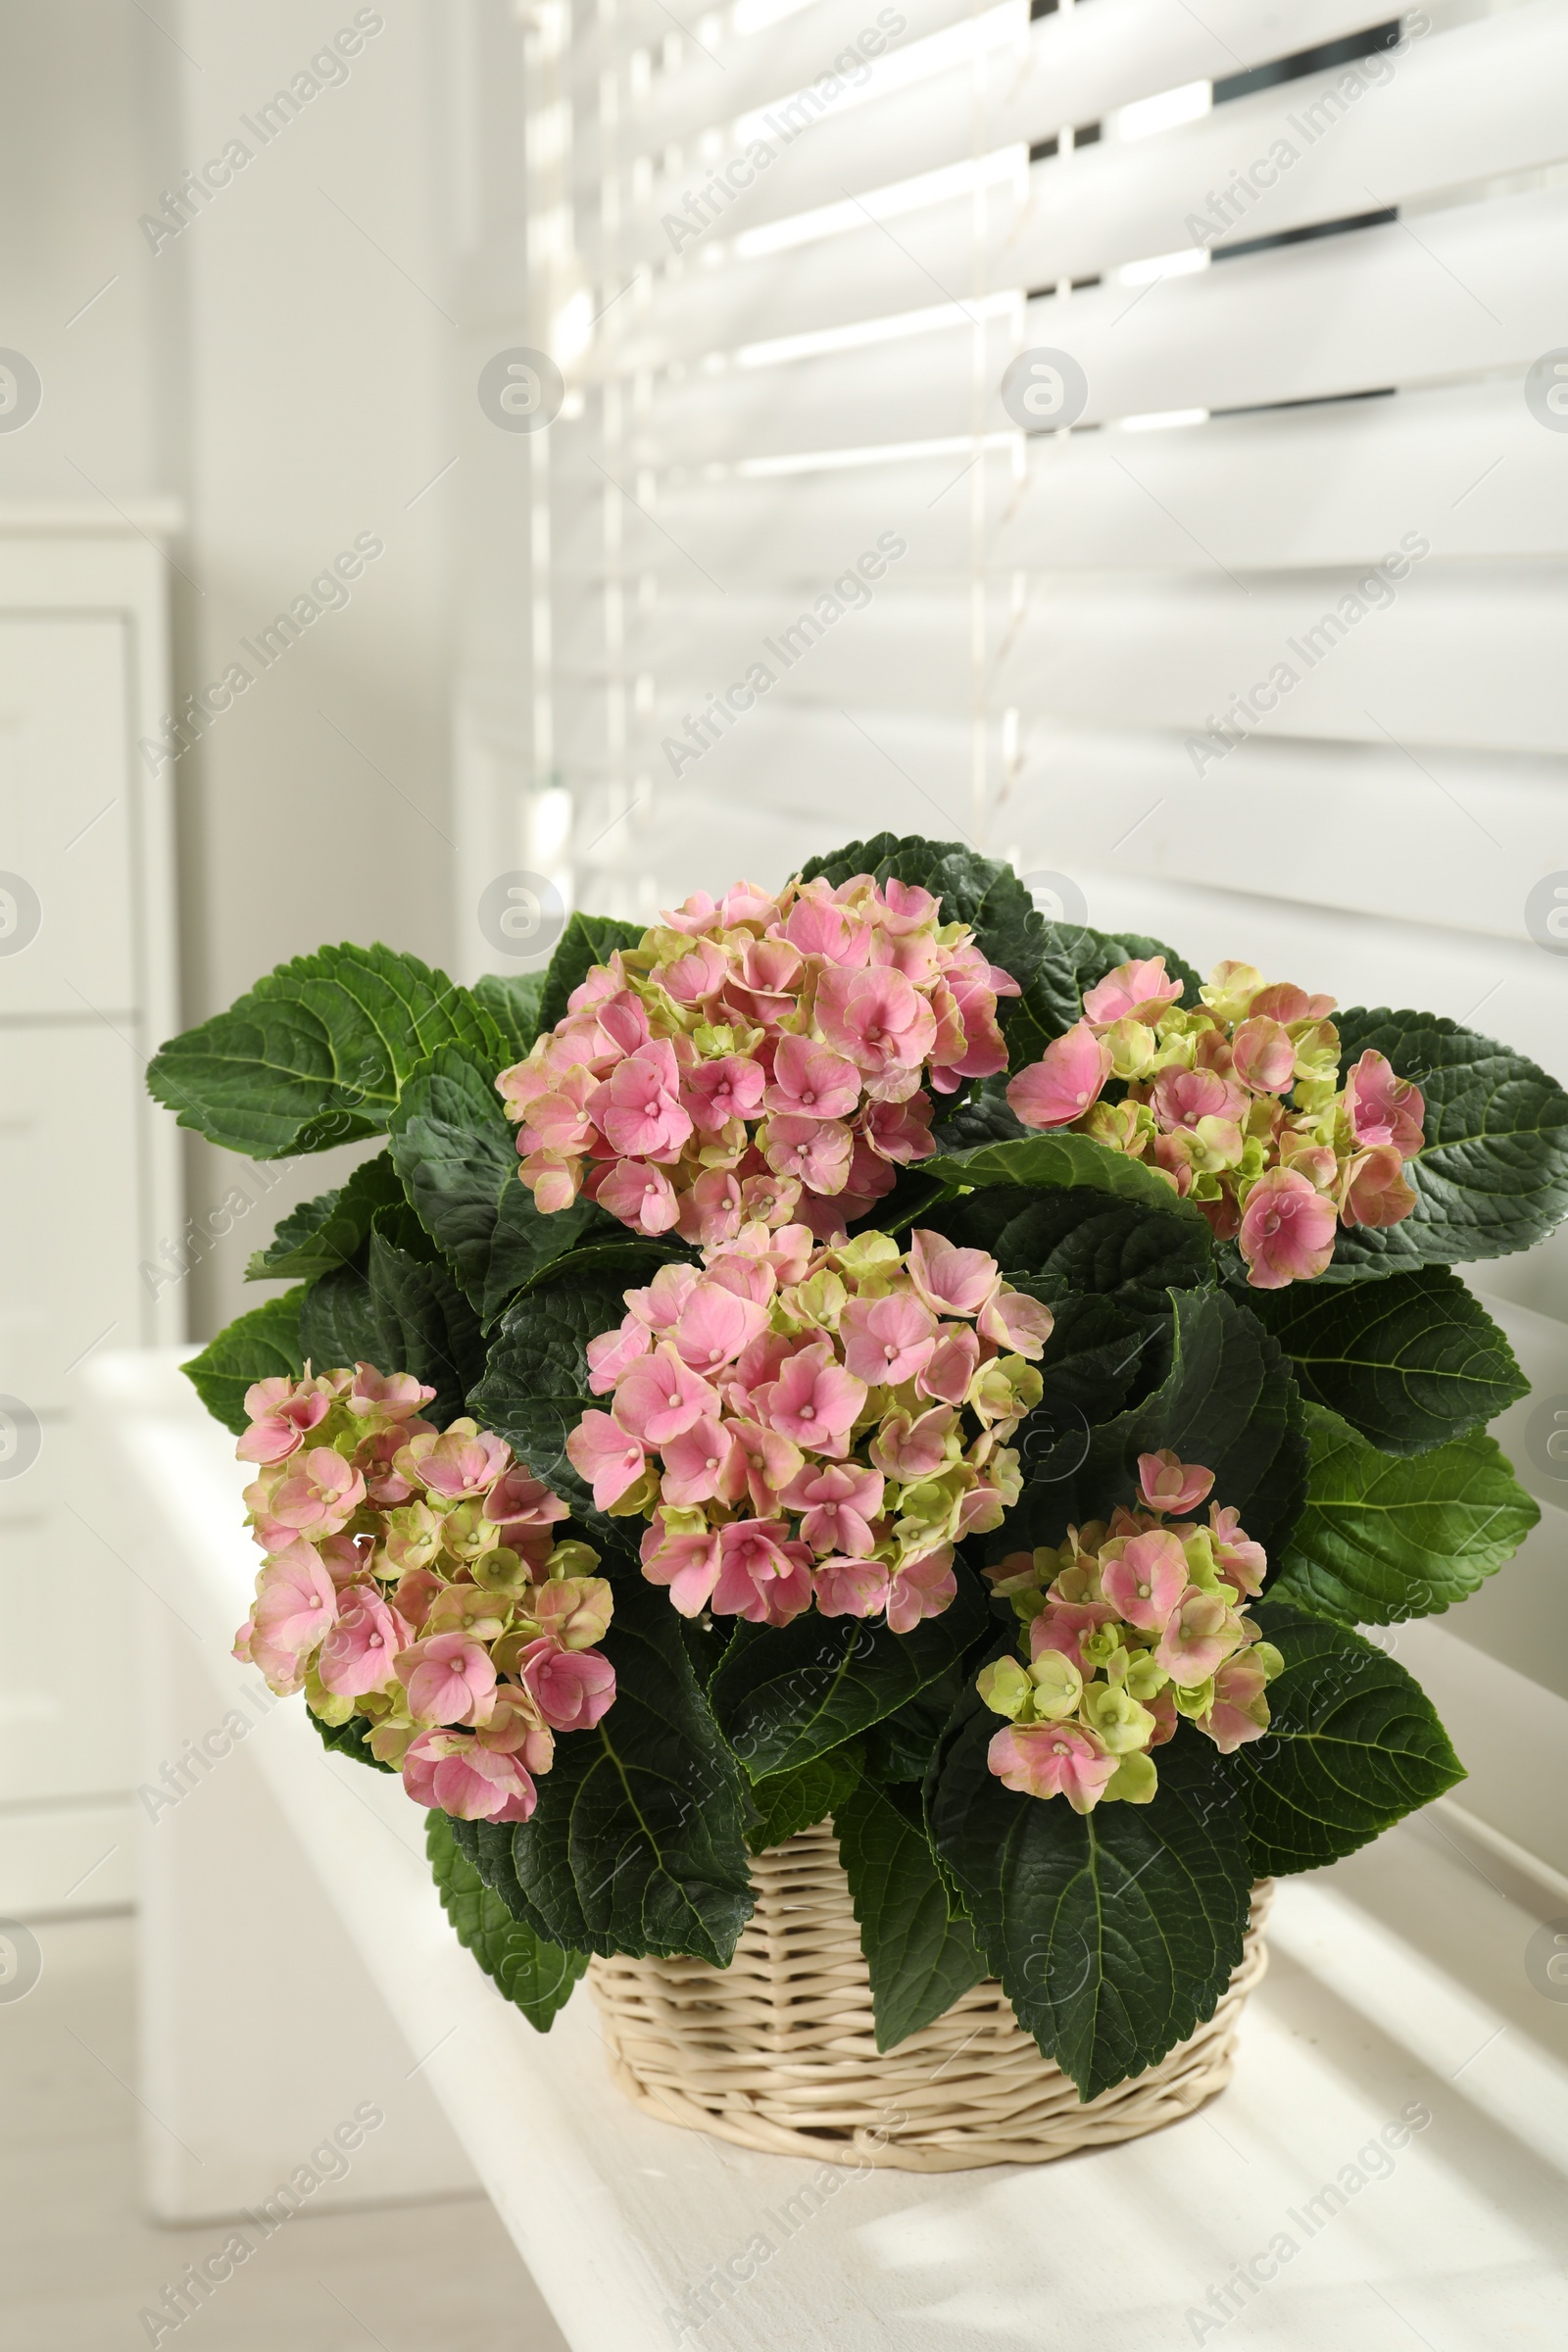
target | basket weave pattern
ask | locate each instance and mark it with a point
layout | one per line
(777, 2051)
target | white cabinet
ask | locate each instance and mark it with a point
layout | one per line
(88, 1171)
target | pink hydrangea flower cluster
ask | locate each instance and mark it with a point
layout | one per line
(813, 1422)
(758, 1057)
(413, 1577)
(1239, 1105)
(1131, 1626)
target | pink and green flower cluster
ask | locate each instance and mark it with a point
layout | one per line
(413, 1577)
(813, 1422)
(757, 1054)
(1130, 1627)
(1239, 1105)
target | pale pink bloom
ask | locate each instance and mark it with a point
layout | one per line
(280, 1425)
(748, 1273)
(346, 1558)
(561, 1120)
(1146, 1581)
(612, 1352)
(638, 1106)
(763, 1575)
(1061, 1086)
(982, 1048)
(516, 1729)
(695, 915)
(877, 1018)
(836, 1505)
(1287, 1230)
(1181, 1098)
(1136, 990)
(1315, 1162)
(812, 1081)
(295, 1609)
(1172, 1486)
(704, 1464)
(607, 1455)
(659, 1305)
(905, 906)
(716, 1092)
(953, 1364)
(816, 927)
(1263, 1055)
(887, 1341)
(711, 1210)
(765, 988)
(1051, 1759)
(868, 1179)
(1383, 1109)
(770, 1201)
(1064, 1625)
(415, 1594)
(770, 1462)
(319, 1494)
(760, 1364)
(687, 1565)
(691, 979)
(523, 1511)
(447, 1774)
(1200, 1634)
(922, 1587)
(572, 1689)
(1242, 1562)
(815, 1402)
(458, 1464)
(982, 1507)
(660, 1395)
(360, 1651)
(907, 1449)
(900, 1132)
(392, 1396)
(1239, 1712)
(851, 1587)
(573, 1611)
(553, 1179)
(817, 1152)
(640, 1195)
(717, 1324)
(449, 1678)
(747, 903)
(1373, 1192)
(1013, 1320)
(950, 1281)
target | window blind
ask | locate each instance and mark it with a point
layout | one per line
(801, 571)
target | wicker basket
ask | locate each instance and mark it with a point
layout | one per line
(777, 2051)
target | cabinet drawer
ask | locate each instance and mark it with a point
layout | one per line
(68, 800)
(70, 1238)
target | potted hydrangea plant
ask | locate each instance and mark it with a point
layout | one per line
(862, 1354)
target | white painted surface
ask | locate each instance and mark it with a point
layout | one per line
(1398, 1982)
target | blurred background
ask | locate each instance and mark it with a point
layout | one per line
(465, 461)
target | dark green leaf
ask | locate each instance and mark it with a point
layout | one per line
(637, 1842)
(1058, 1244)
(786, 1693)
(1226, 1399)
(1057, 1161)
(317, 1052)
(350, 1738)
(1493, 1176)
(260, 1345)
(981, 891)
(901, 1746)
(511, 999)
(329, 1230)
(535, 1388)
(1353, 1744)
(403, 1314)
(1384, 1539)
(587, 940)
(1114, 1933)
(792, 1801)
(1409, 1361)
(457, 1153)
(1073, 957)
(487, 1845)
(536, 1977)
(986, 1117)
(920, 1960)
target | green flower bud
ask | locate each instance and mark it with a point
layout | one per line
(640, 1497)
(1122, 1724)
(866, 1252)
(327, 1704)
(572, 1558)
(1005, 1687)
(1264, 1654)
(1134, 1781)
(1193, 1699)
(1057, 1685)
